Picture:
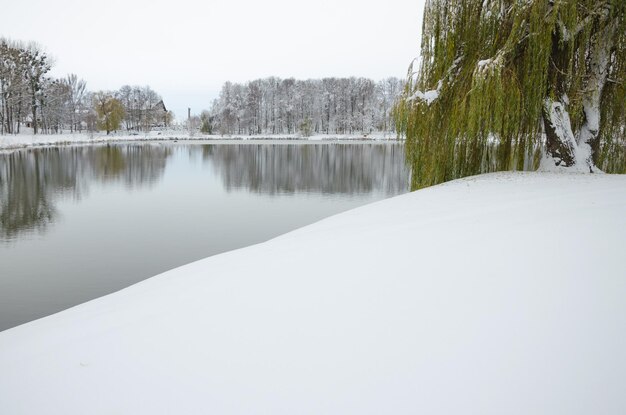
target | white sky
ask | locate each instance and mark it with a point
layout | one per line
(186, 49)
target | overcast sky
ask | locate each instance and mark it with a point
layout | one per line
(186, 49)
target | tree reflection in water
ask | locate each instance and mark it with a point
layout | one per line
(312, 168)
(31, 181)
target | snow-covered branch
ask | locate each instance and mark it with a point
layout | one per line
(489, 66)
(427, 96)
(432, 95)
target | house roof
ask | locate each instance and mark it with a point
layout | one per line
(160, 104)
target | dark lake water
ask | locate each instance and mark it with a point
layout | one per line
(79, 222)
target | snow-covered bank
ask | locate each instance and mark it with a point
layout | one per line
(8, 142)
(498, 294)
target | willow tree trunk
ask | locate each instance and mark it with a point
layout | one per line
(562, 146)
(560, 140)
(599, 63)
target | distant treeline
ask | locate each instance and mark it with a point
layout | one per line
(33, 101)
(314, 106)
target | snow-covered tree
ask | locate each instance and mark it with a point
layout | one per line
(76, 100)
(141, 107)
(22, 78)
(206, 122)
(35, 65)
(510, 84)
(322, 106)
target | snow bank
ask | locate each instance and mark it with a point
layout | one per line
(9, 142)
(498, 294)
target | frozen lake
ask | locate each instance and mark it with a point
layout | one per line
(79, 222)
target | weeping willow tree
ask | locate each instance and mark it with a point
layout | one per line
(514, 84)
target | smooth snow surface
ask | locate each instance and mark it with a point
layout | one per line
(498, 294)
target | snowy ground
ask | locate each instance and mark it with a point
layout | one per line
(8, 142)
(498, 294)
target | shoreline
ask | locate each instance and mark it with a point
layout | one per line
(10, 143)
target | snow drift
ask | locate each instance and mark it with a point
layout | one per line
(497, 294)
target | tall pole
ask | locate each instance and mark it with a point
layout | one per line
(189, 120)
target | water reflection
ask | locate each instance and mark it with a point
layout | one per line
(111, 216)
(33, 181)
(291, 168)
(133, 165)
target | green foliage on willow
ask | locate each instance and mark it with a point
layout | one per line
(110, 111)
(477, 103)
